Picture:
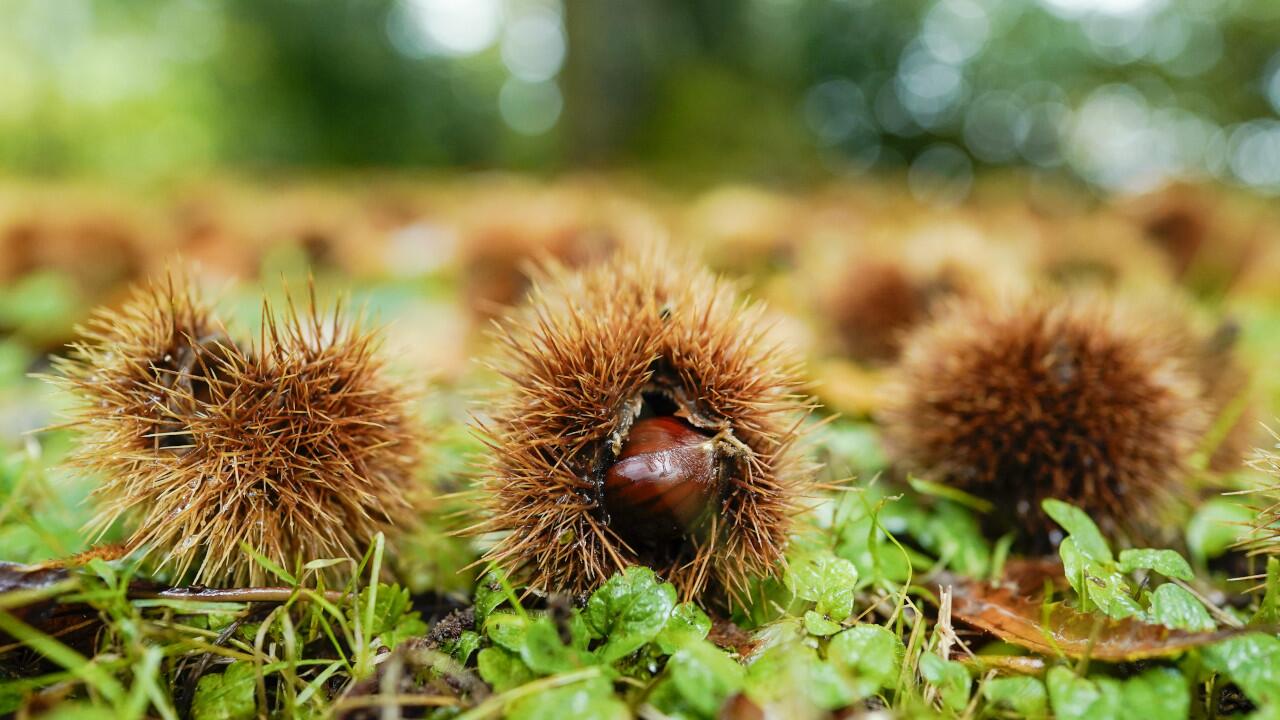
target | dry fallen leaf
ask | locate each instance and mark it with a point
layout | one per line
(34, 596)
(728, 636)
(29, 595)
(1014, 610)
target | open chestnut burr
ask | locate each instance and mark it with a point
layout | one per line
(300, 447)
(647, 419)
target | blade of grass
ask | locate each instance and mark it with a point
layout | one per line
(270, 565)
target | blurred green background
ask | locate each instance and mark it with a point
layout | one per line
(1121, 94)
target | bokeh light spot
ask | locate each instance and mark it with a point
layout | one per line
(530, 108)
(533, 45)
(449, 28)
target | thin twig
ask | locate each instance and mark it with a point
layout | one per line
(230, 595)
(1216, 611)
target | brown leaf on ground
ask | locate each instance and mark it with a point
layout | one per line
(28, 594)
(740, 707)
(34, 595)
(728, 636)
(1014, 611)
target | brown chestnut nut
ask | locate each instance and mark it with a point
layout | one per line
(663, 481)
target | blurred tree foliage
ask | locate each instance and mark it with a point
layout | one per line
(696, 90)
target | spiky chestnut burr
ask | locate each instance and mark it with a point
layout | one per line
(1263, 535)
(134, 366)
(299, 448)
(647, 419)
(1073, 400)
(875, 304)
